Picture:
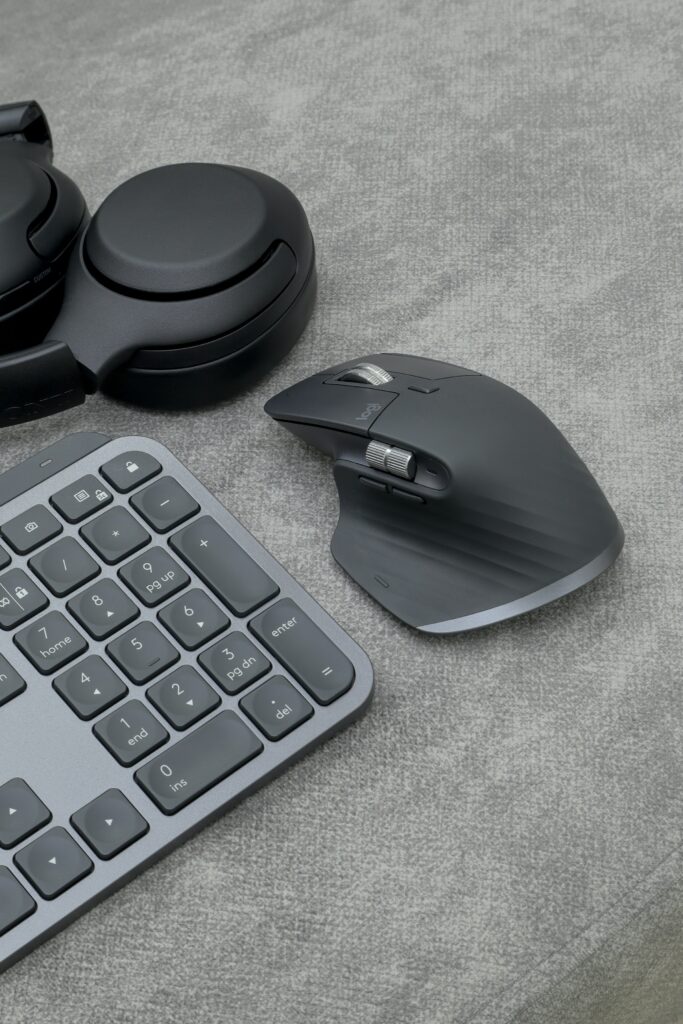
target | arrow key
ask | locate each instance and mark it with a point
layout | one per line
(183, 697)
(103, 609)
(21, 813)
(90, 687)
(109, 824)
(193, 619)
(53, 863)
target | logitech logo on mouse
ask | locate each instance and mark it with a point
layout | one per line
(369, 411)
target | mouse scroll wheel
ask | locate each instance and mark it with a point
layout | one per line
(367, 373)
(396, 461)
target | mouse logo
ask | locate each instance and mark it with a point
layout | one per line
(370, 410)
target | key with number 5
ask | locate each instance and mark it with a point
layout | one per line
(143, 652)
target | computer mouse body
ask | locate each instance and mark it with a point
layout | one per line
(461, 504)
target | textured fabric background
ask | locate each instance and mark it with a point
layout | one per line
(498, 184)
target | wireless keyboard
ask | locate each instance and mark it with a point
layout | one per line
(156, 665)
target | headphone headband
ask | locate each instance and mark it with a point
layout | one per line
(25, 122)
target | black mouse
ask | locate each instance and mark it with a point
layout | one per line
(460, 503)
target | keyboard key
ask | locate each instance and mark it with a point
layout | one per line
(183, 697)
(21, 813)
(115, 535)
(143, 652)
(109, 824)
(303, 648)
(103, 609)
(164, 504)
(154, 576)
(81, 499)
(234, 662)
(4, 558)
(276, 707)
(64, 566)
(127, 471)
(90, 687)
(31, 529)
(20, 598)
(222, 564)
(192, 765)
(11, 683)
(130, 733)
(15, 903)
(194, 619)
(50, 642)
(53, 863)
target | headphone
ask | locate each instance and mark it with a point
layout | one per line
(188, 283)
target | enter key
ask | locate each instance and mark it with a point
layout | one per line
(311, 657)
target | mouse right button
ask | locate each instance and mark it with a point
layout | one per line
(421, 366)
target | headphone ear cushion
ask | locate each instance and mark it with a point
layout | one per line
(42, 214)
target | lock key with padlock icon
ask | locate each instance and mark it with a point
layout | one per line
(129, 470)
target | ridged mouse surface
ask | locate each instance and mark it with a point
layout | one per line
(461, 504)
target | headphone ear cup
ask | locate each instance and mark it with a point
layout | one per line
(42, 214)
(190, 282)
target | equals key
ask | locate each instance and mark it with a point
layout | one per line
(303, 648)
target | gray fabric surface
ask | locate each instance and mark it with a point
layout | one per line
(497, 184)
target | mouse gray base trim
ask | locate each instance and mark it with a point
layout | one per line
(545, 595)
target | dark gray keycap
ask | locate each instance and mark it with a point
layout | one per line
(164, 504)
(130, 733)
(304, 649)
(81, 498)
(154, 576)
(192, 765)
(50, 642)
(234, 662)
(31, 529)
(125, 472)
(143, 652)
(21, 813)
(90, 687)
(109, 824)
(53, 863)
(224, 566)
(15, 903)
(64, 566)
(103, 609)
(20, 598)
(183, 697)
(115, 535)
(194, 619)
(4, 558)
(11, 683)
(276, 707)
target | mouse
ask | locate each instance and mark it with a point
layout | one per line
(460, 503)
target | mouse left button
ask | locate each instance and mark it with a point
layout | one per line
(335, 406)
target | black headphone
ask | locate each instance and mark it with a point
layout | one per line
(189, 283)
